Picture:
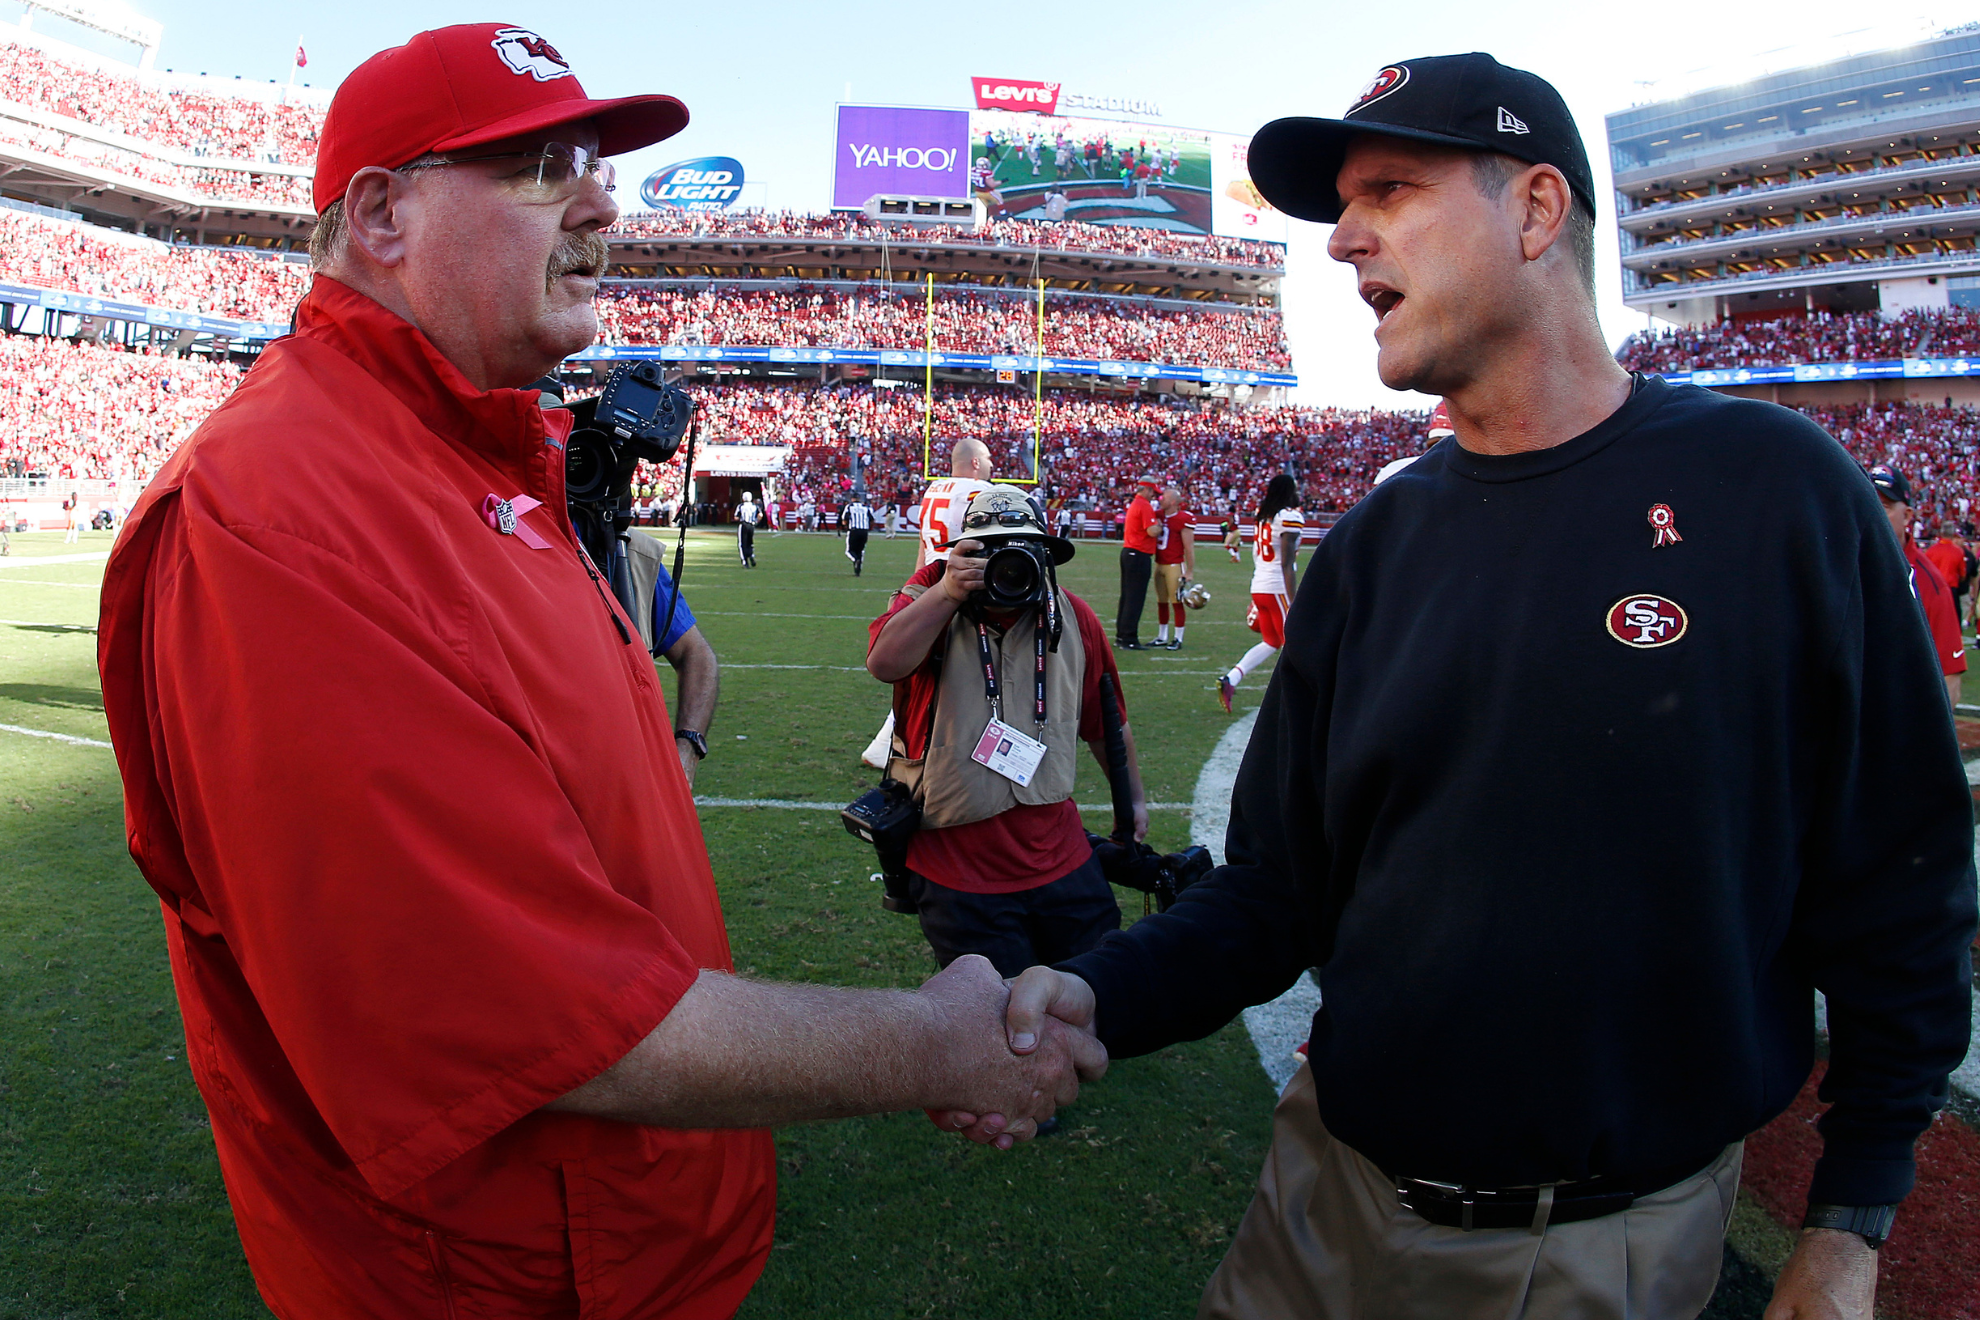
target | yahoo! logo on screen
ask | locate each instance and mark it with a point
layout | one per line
(866, 155)
(883, 149)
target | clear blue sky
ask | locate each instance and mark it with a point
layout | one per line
(761, 79)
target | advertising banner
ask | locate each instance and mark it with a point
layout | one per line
(1237, 210)
(707, 183)
(1015, 94)
(1107, 171)
(900, 151)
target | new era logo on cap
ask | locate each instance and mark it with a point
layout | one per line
(525, 52)
(1511, 123)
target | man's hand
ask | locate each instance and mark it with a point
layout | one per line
(1045, 1006)
(965, 572)
(1003, 1092)
(1832, 1275)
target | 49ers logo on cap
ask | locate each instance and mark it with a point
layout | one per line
(525, 52)
(1645, 621)
(1388, 80)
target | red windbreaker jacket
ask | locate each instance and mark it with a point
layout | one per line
(427, 857)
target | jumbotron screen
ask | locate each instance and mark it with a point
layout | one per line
(1115, 172)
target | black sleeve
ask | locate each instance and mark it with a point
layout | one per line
(1245, 932)
(1886, 912)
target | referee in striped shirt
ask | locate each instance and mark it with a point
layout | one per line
(857, 519)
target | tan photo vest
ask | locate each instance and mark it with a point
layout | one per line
(956, 790)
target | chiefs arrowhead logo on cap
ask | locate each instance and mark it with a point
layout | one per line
(1388, 80)
(1645, 621)
(525, 52)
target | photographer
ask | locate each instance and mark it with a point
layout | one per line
(1000, 867)
(667, 626)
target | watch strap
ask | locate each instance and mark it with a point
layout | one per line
(1872, 1223)
(694, 740)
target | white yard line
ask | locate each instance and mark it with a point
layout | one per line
(53, 737)
(36, 623)
(35, 561)
(790, 804)
(49, 582)
(1276, 1028)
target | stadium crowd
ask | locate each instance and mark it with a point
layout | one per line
(233, 127)
(1057, 236)
(965, 322)
(219, 183)
(79, 258)
(1933, 446)
(81, 412)
(84, 411)
(1816, 337)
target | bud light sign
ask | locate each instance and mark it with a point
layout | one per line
(900, 152)
(707, 183)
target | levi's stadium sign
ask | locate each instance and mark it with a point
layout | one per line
(706, 183)
(1016, 94)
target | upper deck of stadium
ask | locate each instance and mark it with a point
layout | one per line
(1847, 185)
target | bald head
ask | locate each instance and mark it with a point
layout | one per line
(971, 459)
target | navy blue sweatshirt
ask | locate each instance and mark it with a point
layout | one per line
(1573, 824)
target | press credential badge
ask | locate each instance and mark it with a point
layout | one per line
(1008, 752)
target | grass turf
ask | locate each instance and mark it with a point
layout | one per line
(111, 1201)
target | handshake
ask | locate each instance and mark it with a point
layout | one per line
(1018, 1053)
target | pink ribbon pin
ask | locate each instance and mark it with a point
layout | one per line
(505, 516)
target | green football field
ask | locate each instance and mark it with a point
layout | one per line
(111, 1201)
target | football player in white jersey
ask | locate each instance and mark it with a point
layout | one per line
(1274, 576)
(942, 507)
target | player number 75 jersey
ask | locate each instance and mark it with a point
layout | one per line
(1267, 575)
(942, 507)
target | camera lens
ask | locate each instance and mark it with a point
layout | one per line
(588, 465)
(1012, 576)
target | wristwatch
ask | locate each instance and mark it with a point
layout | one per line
(694, 740)
(1872, 1223)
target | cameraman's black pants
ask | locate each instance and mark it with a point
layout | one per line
(1136, 568)
(1017, 930)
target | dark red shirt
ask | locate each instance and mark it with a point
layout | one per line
(1169, 547)
(1026, 846)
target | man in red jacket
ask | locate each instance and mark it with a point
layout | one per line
(1935, 597)
(1137, 563)
(455, 981)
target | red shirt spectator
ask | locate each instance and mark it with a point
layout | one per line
(1936, 599)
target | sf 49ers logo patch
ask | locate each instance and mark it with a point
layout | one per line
(1646, 621)
(525, 52)
(1388, 80)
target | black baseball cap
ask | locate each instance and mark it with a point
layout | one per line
(1890, 483)
(1468, 101)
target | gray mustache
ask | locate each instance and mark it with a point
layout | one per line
(579, 253)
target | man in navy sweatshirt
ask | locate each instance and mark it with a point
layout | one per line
(1604, 736)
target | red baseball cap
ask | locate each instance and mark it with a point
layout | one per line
(458, 87)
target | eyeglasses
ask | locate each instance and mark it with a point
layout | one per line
(558, 167)
(1001, 517)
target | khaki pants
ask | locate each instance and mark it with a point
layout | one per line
(1326, 1239)
(1168, 581)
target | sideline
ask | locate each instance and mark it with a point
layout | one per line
(35, 561)
(1280, 1026)
(56, 737)
(790, 804)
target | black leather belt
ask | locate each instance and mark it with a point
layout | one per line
(1456, 1206)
